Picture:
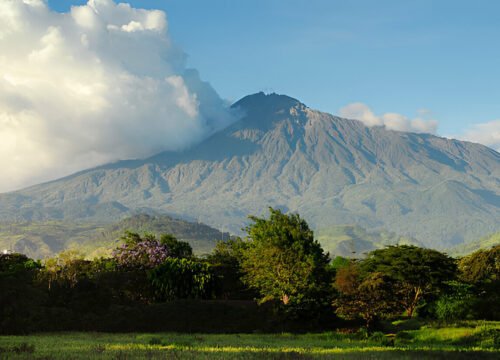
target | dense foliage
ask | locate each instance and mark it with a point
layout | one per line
(416, 274)
(481, 270)
(283, 261)
(136, 252)
(181, 279)
(156, 283)
(369, 297)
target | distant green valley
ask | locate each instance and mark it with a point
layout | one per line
(44, 239)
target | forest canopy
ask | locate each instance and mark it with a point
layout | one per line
(276, 276)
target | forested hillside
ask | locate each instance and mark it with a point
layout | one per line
(45, 239)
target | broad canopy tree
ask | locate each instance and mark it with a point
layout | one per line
(416, 273)
(368, 296)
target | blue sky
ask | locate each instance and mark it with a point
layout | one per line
(394, 56)
(111, 82)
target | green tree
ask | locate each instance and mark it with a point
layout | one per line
(456, 303)
(226, 260)
(177, 249)
(481, 269)
(283, 262)
(338, 262)
(482, 266)
(21, 300)
(181, 279)
(67, 266)
(369, 297)
(417, 273)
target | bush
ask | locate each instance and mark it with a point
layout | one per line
(181, 279)
(456, 303)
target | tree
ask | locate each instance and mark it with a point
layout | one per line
(181, 279)
(416, 273)
(67, 266)
(21, 300)
(369, 297)
(178, 249)
(482, 266)
(337, 263)
(226, 260)
(456, 303)
(481, 269)
(229, 253)
(283, 262)
(141, 252)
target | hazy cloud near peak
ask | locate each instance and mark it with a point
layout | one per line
(100, 83)
(391, 121)
(487, 133)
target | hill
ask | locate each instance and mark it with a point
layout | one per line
(354, 242)
(486, 242)
(333, 171)
(44, 239)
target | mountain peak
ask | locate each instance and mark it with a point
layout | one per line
(332, 171)
(261, 109)
(266, 102)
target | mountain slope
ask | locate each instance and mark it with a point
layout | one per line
(355, 242)
(486, 242)
(281, 153)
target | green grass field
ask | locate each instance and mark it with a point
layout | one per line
(474, 340)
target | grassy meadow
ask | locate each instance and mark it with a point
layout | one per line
(474, 340)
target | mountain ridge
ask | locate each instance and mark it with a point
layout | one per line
(281, 153)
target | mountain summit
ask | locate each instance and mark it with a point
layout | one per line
(281, 153)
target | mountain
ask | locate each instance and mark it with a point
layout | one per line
(355, 242)
(333, 171)
(44, 239)
(486, 242)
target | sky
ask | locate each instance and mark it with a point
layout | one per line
(423, 66)
(394, 56)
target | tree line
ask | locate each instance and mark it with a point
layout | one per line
(278, 268)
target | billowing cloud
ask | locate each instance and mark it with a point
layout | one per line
(392, 121)
(486, 133)
(100, 83)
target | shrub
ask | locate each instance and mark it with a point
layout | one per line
(456, 303)
(181, 279)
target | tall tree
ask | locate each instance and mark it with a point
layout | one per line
(283, 262)
(481, 269)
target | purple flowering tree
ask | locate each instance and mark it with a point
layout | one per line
(141, 252)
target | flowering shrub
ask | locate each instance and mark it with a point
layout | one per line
(141, 253)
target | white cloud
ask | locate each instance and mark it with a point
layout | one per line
(101, 83)
(392, 121)
(486, 133)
